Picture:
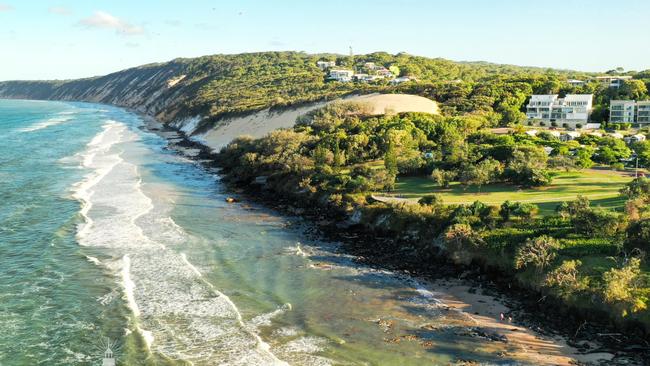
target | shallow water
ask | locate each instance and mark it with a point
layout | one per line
(106, 233)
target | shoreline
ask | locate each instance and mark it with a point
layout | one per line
(533, 332)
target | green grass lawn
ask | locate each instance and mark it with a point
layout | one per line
(601, 186)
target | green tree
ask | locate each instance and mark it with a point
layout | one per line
(443, 178)
(390, 160)
(639, 188)
(538, 252)
(485, 172)
(565, 279)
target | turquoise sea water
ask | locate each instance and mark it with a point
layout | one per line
(106, 233)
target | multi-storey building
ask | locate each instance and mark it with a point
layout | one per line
(622, 111)
(643, 112)
(629, 111)
(573, 109)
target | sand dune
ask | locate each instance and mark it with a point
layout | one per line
(260, 123)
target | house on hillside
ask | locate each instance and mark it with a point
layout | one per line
(372, 66)
(571, 110)
(613, 81)
(399, 80)
(576, 82)
(341, 75)
(365, 78)
(616, 135)
(384, 73)
(324, 65)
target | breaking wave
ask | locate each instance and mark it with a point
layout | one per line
(176, 310)
(45, 124)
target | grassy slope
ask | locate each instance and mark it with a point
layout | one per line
(600, 186)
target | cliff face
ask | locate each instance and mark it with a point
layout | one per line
(152, 89)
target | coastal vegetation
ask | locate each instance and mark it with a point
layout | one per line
(214, 87)
(472, 195)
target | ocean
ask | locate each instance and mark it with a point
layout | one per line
(109, 238)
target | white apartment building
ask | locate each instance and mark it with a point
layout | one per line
(622, 111)
(572, 109)
(629, 111)
(341, 75)
(643, 112)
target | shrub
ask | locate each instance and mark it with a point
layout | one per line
(597, 221)
(525, 210)
(565, 279)
(538, 252)
(443, 177)
(565, 125)
(542, 124)
(554, 124)
(578, 125)
(639, 188)
(638, 235)
(622, 287)
(618, 166)
(431, 200)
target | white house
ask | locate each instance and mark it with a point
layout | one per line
(555, 133)
(548, 150)
(399, 80)
(384, 73)
(324, 65)
(573, 109)
(365, 77)
(576, 82)
(341, 75)
(616, 135)
(613, 81)
(635, 138)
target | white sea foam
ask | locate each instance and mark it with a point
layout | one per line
(176, 310)
(93, 260)
(45, 124)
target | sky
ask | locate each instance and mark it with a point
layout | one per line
(64, 39)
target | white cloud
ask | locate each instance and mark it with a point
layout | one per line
(6, 7)
(59, 10)
(107, 21)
